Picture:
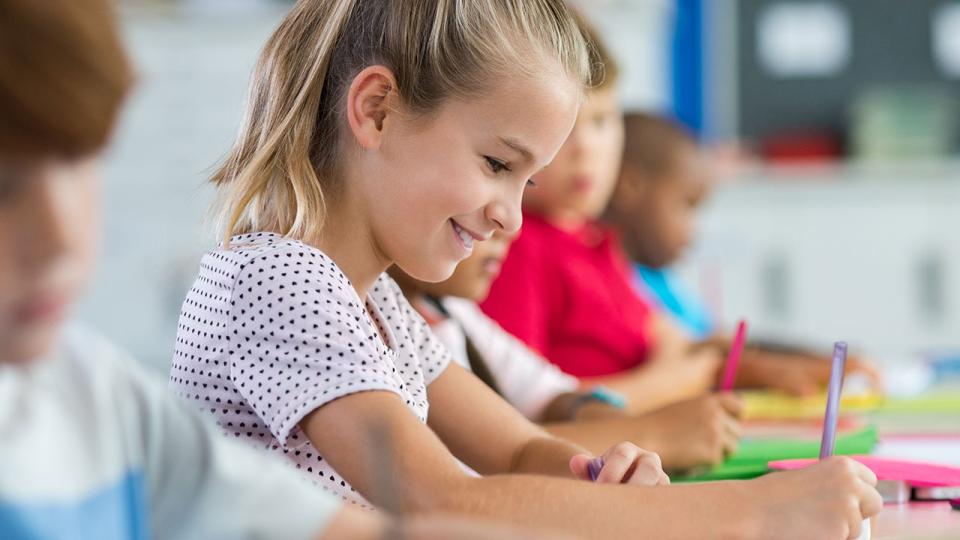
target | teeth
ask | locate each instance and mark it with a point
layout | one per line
(464, 236)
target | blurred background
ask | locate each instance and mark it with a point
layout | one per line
(834, 124)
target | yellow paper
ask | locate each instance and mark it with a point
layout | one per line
(765, 405)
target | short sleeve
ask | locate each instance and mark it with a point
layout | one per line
(433, 353)
(300, 338)
(201, 485)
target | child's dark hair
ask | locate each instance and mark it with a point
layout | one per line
(63, 76)
(652, 143)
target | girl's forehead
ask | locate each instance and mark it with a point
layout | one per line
(531, 113)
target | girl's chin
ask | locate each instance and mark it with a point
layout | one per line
(429, 274)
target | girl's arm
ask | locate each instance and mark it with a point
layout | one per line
(491, 436)
(691, 433)
(360, 525)
(795, 372)
(464, 412)
(828, 500)
(676, 370)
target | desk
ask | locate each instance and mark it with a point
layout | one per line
(917, 521)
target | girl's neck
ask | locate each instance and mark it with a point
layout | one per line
(410, 287)
(351, 244)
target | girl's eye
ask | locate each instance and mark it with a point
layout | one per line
(495, 165)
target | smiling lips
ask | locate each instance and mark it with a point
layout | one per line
(467, 238)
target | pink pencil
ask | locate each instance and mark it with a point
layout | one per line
(730, 371)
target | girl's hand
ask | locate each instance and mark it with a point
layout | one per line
(625, 463)
(827, 500)
(695, 432)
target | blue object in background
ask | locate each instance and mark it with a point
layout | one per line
(946, 366)
(686, 65)
(665, 289)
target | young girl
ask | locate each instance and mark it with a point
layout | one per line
(695, 432)
(92, 447)
(383, 132)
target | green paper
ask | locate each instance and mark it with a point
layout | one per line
(751, 458)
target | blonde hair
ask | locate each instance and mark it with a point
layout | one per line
(285, 158)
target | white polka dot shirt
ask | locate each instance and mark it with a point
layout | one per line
(273, 330)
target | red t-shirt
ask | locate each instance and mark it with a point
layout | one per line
(569, 296)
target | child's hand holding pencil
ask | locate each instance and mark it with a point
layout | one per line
(624, 463)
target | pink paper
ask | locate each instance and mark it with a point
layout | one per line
(914, 473)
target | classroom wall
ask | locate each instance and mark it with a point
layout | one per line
(862, 253)
(194, 60)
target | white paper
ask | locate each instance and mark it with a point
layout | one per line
(936, 450)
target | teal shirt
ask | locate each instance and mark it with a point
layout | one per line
(663, 287)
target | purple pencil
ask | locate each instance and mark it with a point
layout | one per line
(594, 467)
(833, 399)
(830, 417)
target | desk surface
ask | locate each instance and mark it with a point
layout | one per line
(917, 521)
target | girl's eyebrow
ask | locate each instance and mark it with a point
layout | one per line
(518, 147)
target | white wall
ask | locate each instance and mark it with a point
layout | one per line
(865, 254)
(638, 33)
(194, 65)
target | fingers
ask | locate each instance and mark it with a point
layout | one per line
(871, 502)
(732, 403)
(579, 466)
(732, 435)
(649, 471)
(860, 470)
(664, 480)
(627, 464)
(854, 525)
(868, 501)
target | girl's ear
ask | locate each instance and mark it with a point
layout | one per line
(370, 102)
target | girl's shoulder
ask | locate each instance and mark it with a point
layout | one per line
(274, 256)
